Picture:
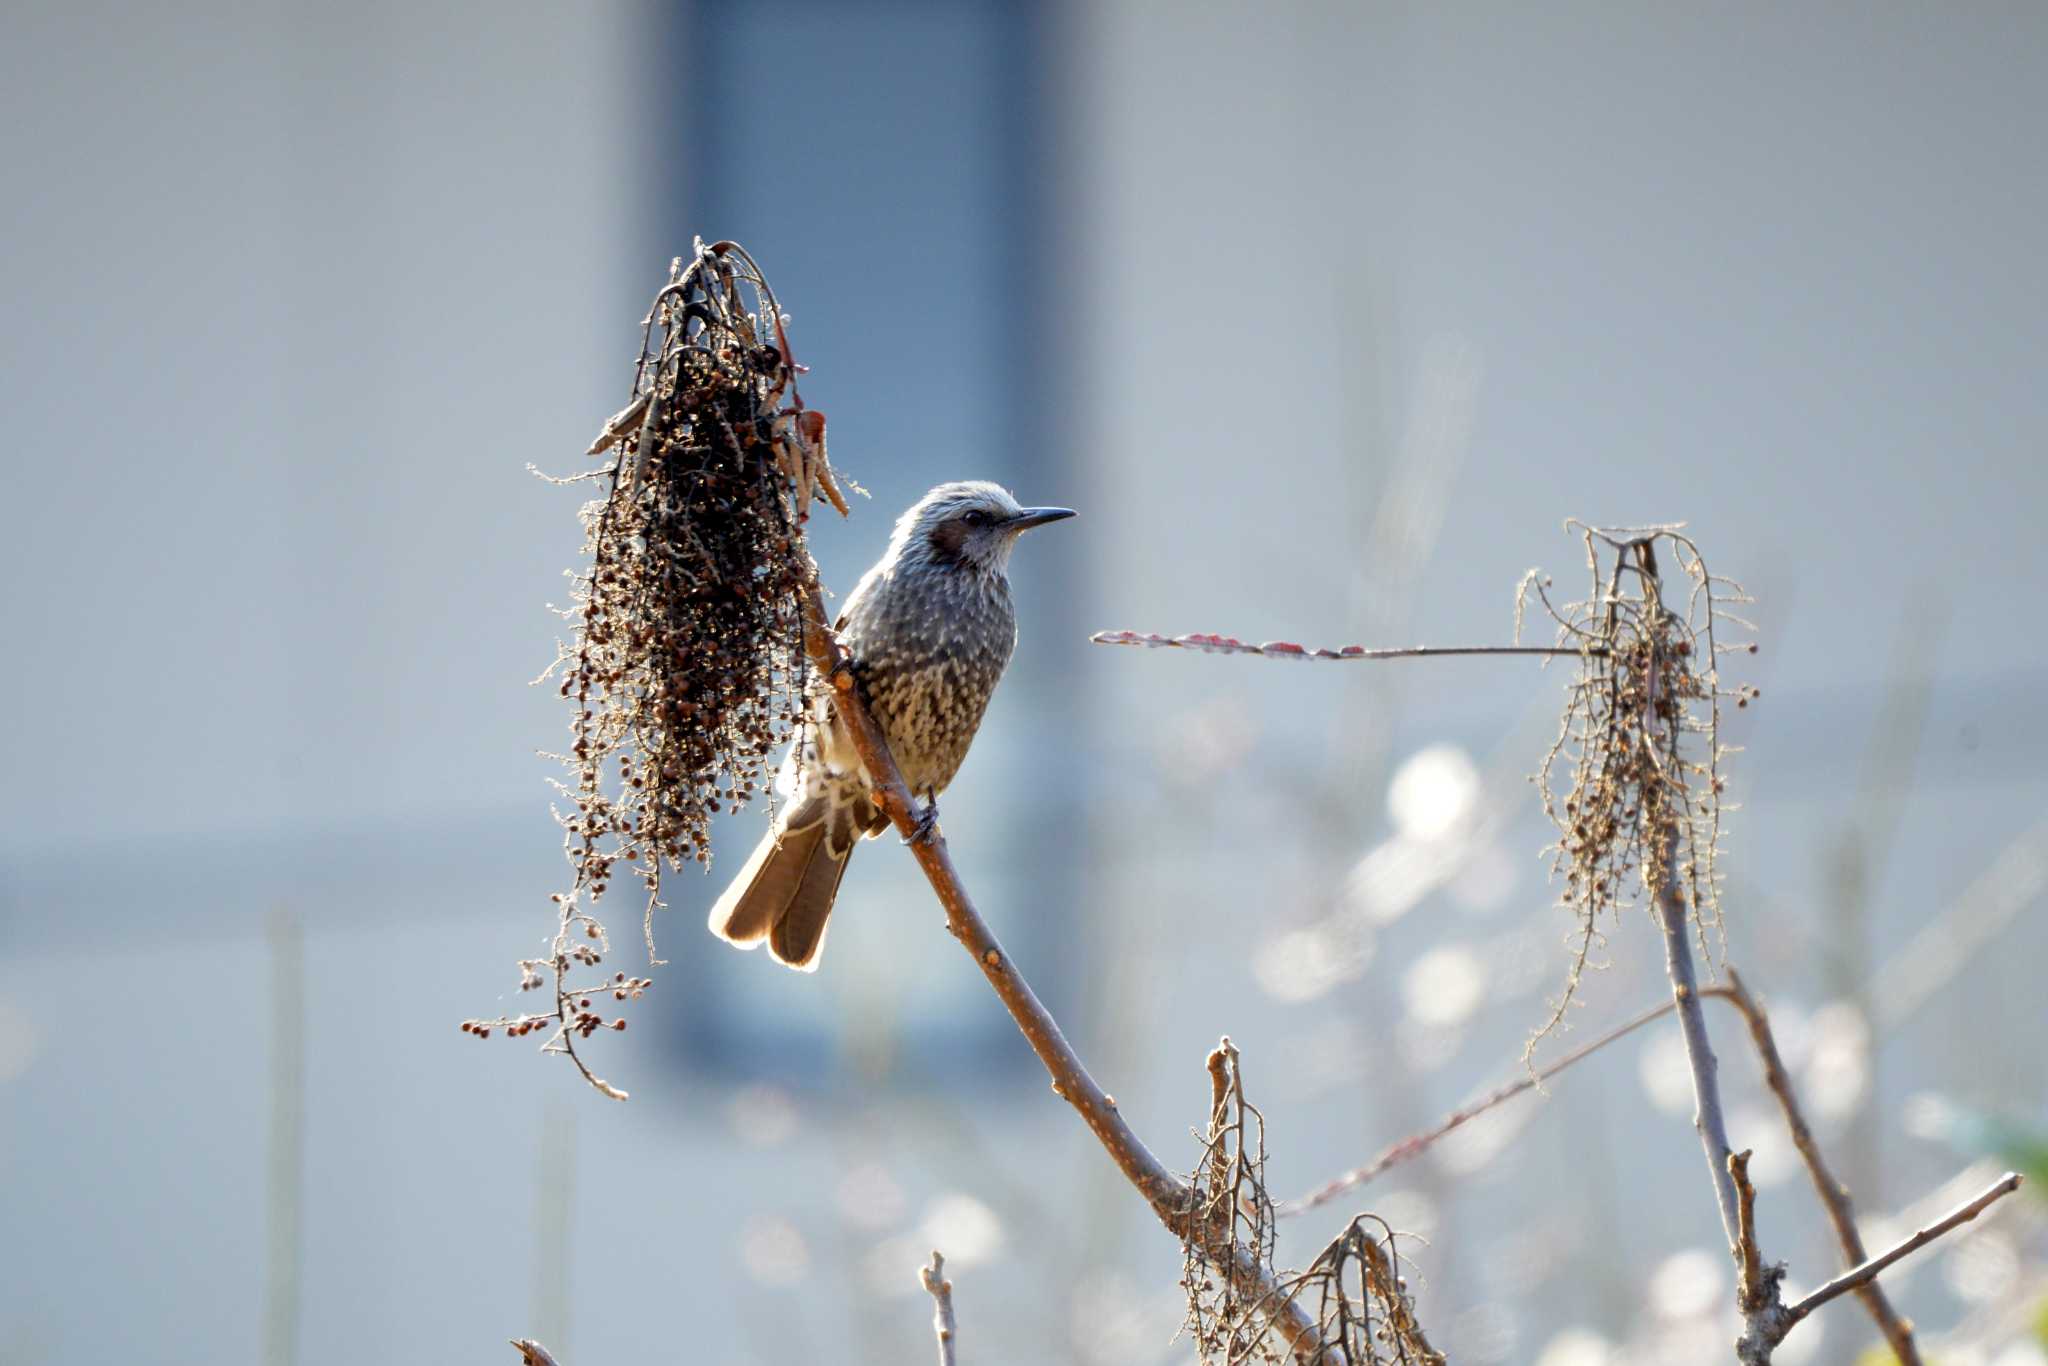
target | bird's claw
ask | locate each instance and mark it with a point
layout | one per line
(925, 829)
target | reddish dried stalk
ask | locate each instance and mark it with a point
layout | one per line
(1834, 1199)
(1287, 649)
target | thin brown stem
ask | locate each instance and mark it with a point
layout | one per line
(1864, 1274)
(1834, 1198)
(1165, 1193)
(1750, 1292)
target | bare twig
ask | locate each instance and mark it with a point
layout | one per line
(1699, 1051)
(933, 1278)
(1165, 1193)
(1287, 649)
(1862, 1275)
(1898, 1334)
(1751, 1292)
(1416, 1144)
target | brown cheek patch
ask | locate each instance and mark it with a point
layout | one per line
(947, 538)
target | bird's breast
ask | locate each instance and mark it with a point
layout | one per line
(929, 649)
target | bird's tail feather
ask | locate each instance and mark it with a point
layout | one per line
(784, 895)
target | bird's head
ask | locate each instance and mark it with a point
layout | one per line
(970, 525)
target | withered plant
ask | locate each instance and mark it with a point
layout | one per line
(685, 662)
(1633, 782)
(1634, 786)
(1352, 1292)
(1227, 1194)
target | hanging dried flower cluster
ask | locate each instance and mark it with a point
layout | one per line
(1639, 748)
(686, 662)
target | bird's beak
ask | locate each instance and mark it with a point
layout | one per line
(1031, 517)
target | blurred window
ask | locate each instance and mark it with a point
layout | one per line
(881, 161)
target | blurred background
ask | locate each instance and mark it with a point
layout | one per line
(1325, 316)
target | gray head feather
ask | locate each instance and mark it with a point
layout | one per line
(970, 524)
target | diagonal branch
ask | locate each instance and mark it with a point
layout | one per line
(1866, 1273)
(1834, 1198)
(1699, 1049)
(1168, 1196)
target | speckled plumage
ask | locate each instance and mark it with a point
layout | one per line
(930, 628)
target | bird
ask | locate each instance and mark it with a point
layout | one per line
(930, 629)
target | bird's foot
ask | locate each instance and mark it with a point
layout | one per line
(926, 828)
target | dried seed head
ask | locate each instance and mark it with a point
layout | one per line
(1637, 755)
(686, 663)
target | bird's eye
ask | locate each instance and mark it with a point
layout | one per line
(976, 518)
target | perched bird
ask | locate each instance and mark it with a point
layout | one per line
(930, 629)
